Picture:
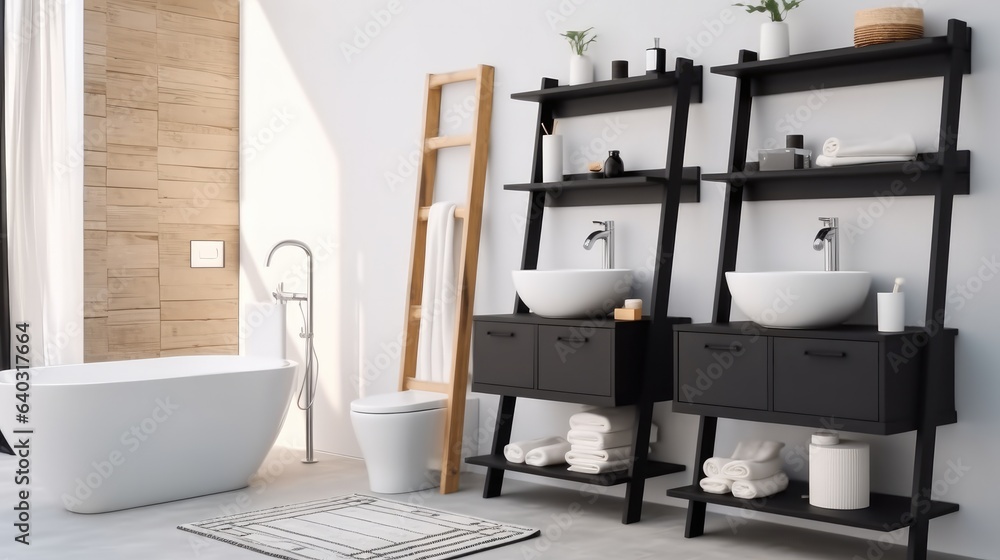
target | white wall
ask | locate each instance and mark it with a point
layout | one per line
(336, 176)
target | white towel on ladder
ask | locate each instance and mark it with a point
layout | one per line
(437, 305)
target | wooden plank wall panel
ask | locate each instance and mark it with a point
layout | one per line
(161, 111)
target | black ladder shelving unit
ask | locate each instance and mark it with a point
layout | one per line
(668, 187)
(942, 174)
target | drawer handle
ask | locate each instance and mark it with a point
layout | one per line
(500, 333)
(735, 347)
(826, 353)
(570, 339)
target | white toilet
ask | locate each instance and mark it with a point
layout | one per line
(401, 437)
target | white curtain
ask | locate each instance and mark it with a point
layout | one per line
(44, 141)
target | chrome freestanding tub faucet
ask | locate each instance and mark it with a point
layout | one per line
(826, 241)
(608, 235)
(309, 381)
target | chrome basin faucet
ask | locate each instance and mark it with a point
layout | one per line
(608, 235)
(826, 241)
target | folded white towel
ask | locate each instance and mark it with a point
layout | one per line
(899, 145)
(751, 470)
(604, 420)
(598, 468)
(515, 452)
(826, 161)
(749, 489)
(716, 485)
(599, 455)
(554, 454)
(588, 439)
(437, 301)
(713, 466)
(757, 450)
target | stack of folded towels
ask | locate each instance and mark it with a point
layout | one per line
(601, 440)
(753, 471)
(836, 152)
(540, 452)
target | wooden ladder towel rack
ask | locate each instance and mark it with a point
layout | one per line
(472, 215)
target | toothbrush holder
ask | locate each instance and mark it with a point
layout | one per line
(891, 311)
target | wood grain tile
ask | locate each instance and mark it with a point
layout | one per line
(132, 250)
(130, 126)
(132, 179)
(95, 205)
(202, 351)
(133, 293)
(141, 337)
(225, 10)
(134, 317)
(138, 158)
(199, 190)
(193, 157)
(133, 218)
(197, 334)
(211, 116)
(195, 310)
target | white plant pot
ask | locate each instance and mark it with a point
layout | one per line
(774, 40)
(581, 70)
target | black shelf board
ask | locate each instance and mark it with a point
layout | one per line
(805, 420)
(635, 187)
(842, 332)
(653, 469)
(886, 512)
(623, 94)
(906, 60)
(912, 178)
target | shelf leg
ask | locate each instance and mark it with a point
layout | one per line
(637, 472)
(695, 524)
(501, 437)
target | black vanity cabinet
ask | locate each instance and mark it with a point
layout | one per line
(572, 360)
(850, 378)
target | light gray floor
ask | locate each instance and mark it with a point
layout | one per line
(575, 526)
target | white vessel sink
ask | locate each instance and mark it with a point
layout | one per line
(573, 293)
(799, 299)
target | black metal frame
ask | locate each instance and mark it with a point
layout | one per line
(948, 57)
(679, 89)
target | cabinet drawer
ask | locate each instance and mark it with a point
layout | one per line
(572, 363)
(826, 378)
(722, 370)
(504, 354)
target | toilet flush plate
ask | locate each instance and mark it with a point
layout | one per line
(208, 254)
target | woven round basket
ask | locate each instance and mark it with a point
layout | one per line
(887, 25)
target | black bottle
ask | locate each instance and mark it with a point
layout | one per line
(613, 166)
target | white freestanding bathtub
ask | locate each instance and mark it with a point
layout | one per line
(115, 435)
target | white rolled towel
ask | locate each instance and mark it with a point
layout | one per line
(898, 145)
(757, 450)
(598, 467)
(604, 420)
(588, 439)
(713, 466)
(750, 489)
(751, 470)
(515, 452)
(826, 161)
(716, 485)
(554, 454)
(598, 455)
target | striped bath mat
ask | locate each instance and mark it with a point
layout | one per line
(360, 528)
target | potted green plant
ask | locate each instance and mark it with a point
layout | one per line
(581, 69)
(774, 41)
